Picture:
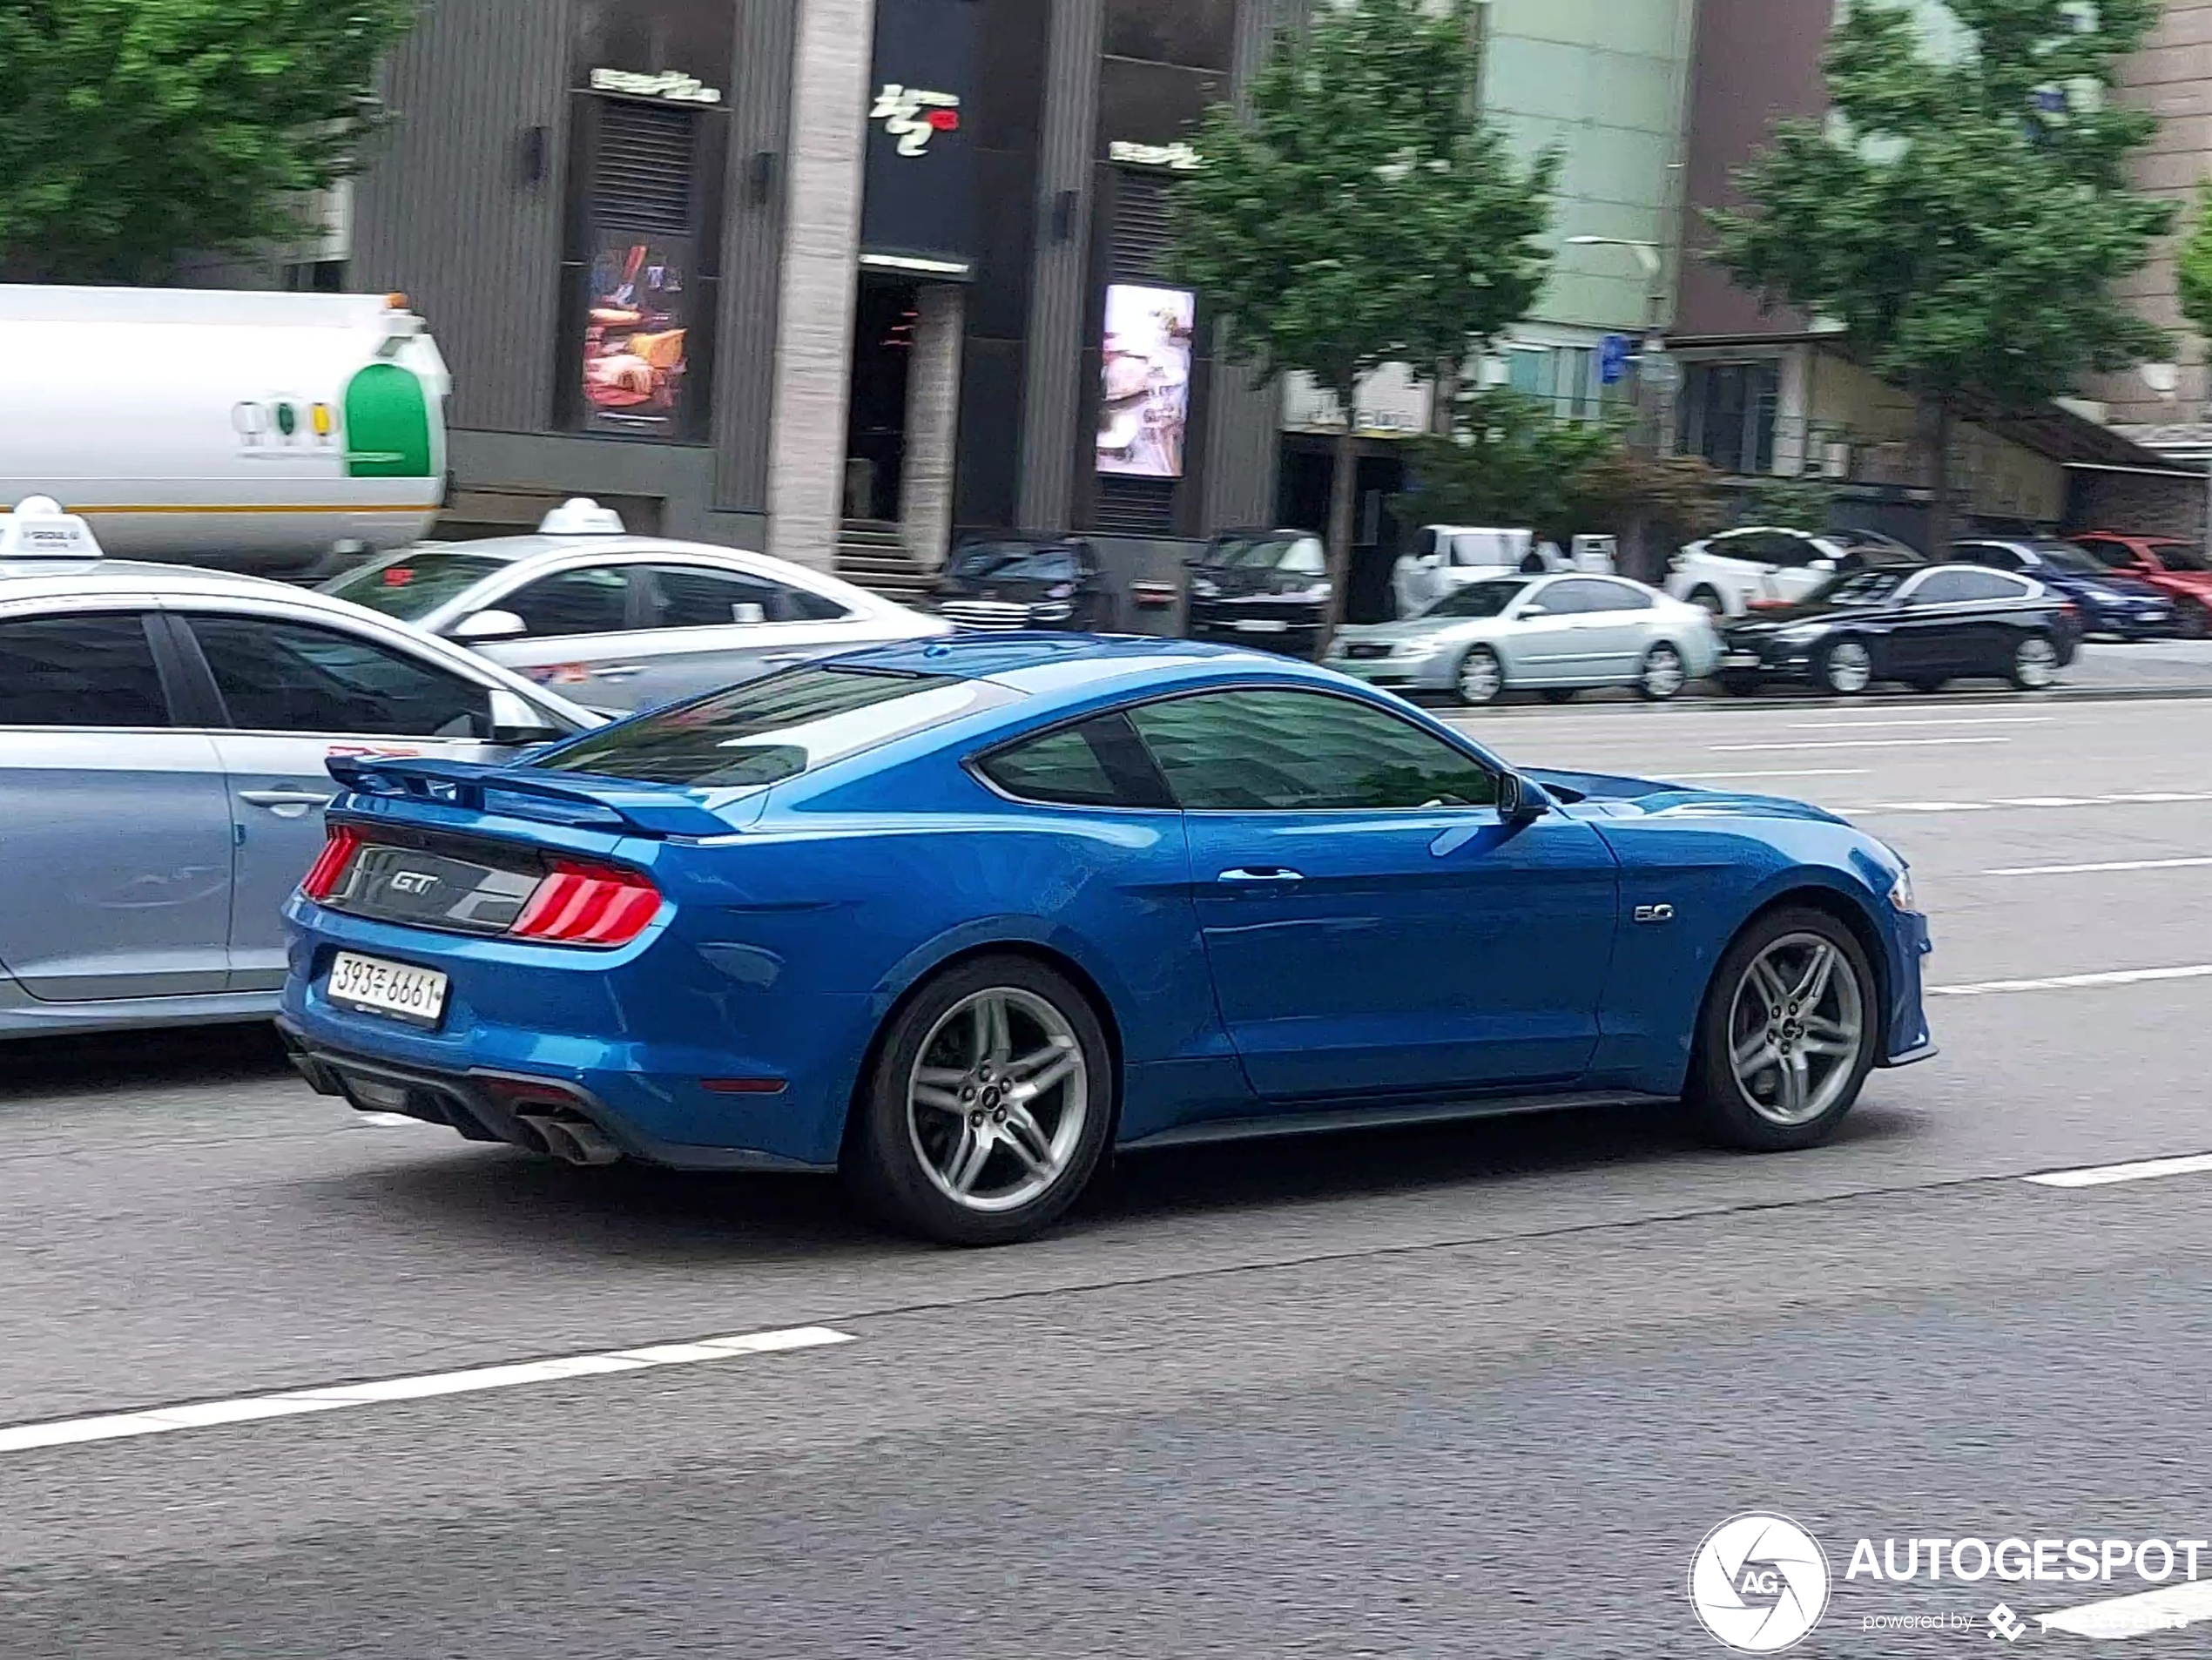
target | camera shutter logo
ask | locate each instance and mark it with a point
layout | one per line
(1759, 1583)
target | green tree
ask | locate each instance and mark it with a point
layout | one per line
(2192, 275)
(1963, 216)
(135, 132)
(1360, 212)
(1793, 504)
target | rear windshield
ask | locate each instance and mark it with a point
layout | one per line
(766, 731)
(415, 585)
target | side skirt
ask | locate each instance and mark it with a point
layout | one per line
(1322, 1121)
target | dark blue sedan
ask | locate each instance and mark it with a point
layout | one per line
(953, 917)
(2110, 604)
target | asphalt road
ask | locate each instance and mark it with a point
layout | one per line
(1477, 1391)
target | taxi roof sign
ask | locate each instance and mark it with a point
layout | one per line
(39, 530)
(581, 516)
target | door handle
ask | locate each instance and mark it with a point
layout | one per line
(281, 798)
(618, 671)
(785, 660)
(1272, 874)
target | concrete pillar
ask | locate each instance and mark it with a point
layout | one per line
(933, 423)
(829, 90)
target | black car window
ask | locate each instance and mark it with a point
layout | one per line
(707, 597)
(1479, 598)
(1864, 588)
(1960, 584)
(775, 728)
(278, 676)
(1993, 555)
(1016, 562)
(2064, 556)
(416, 586)
(1303, 752)
(96, 670)
(2113, 555)
(592, 601)
(2178, 556)
(1569, 598)
(1097, 763)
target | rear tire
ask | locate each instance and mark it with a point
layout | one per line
(1771, 1072)
(987, 1109)
(1663, 676)
(2035, 662)
(2192, 621)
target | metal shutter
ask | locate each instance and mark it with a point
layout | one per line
(1140, 227)
(641, 178)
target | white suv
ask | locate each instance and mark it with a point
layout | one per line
(1729, 573)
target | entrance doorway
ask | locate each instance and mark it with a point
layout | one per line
(875, 439)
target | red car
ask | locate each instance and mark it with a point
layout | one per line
(2179, 569)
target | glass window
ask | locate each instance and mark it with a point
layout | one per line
(1303, 752)
(2063, 556)
(1957, 584)
(1016, 562)
(1617, 596)
(1099, 763)
(1865, 588)
(765, 731)
(2113, 555)
(90, 671)
(705, 597)
(1201, 34)
(1300, 556)
(1728, 414)
(1569, 598)
(592, 601)
(2178, 555)
(1479, 599)
(417, 584)
(292, 677)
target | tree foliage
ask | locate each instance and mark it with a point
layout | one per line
(1964, 214)
(2193, 274)
(133, 132)
(1359, 212)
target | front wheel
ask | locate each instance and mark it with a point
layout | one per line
(988, 1108)
(1845, 668)
(1662, 677)
(2035, 662)
(1481, 679)
(1787, 1036)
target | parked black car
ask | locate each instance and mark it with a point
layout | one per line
(1920, 624)
(1025, 582)
(1261, 588)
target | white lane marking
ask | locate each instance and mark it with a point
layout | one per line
(2074, 981)
(201, 1414)
(2099, 869)
(2126, 798)
(1860, 742)
(2144, 1169)
(1807, 772)
(2167, 1609)
(1944, 720)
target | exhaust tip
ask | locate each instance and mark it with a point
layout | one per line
(573, 1140)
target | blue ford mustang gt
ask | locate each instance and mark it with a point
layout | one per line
(953, 917)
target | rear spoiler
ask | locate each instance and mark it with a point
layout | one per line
(646, 809)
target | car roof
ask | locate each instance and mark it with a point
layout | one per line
(52, 578)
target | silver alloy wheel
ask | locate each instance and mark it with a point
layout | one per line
(1662, 672)
(1851, 667)
(1481, 679)
(2035, 664)
(1796, 1029)
(998, 1099)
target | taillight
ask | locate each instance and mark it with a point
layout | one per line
(338, 850)
(581, 904)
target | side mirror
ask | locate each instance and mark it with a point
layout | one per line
(517, 723)
(1515, 804)
(1431, 562)
(487, 626)
(748, 612)
(1533, 610)
(1823, 564)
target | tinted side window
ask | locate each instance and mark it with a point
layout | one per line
(1303, 752)
(1965, 582)
(697, 596)
(92, 671)
(1617, 596)
(1569, 598)
(594, 601)
(2113, 556)
(1099, 763)
(292, 677)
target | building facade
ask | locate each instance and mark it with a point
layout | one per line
(839, 279)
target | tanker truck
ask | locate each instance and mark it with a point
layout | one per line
(259, 432)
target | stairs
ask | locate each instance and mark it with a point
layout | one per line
(871, 554)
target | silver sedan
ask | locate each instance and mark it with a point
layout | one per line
(623, 622)
(1554, 634)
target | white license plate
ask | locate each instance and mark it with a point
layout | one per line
(1262, 626)
(1741, 660)
(386, 987)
